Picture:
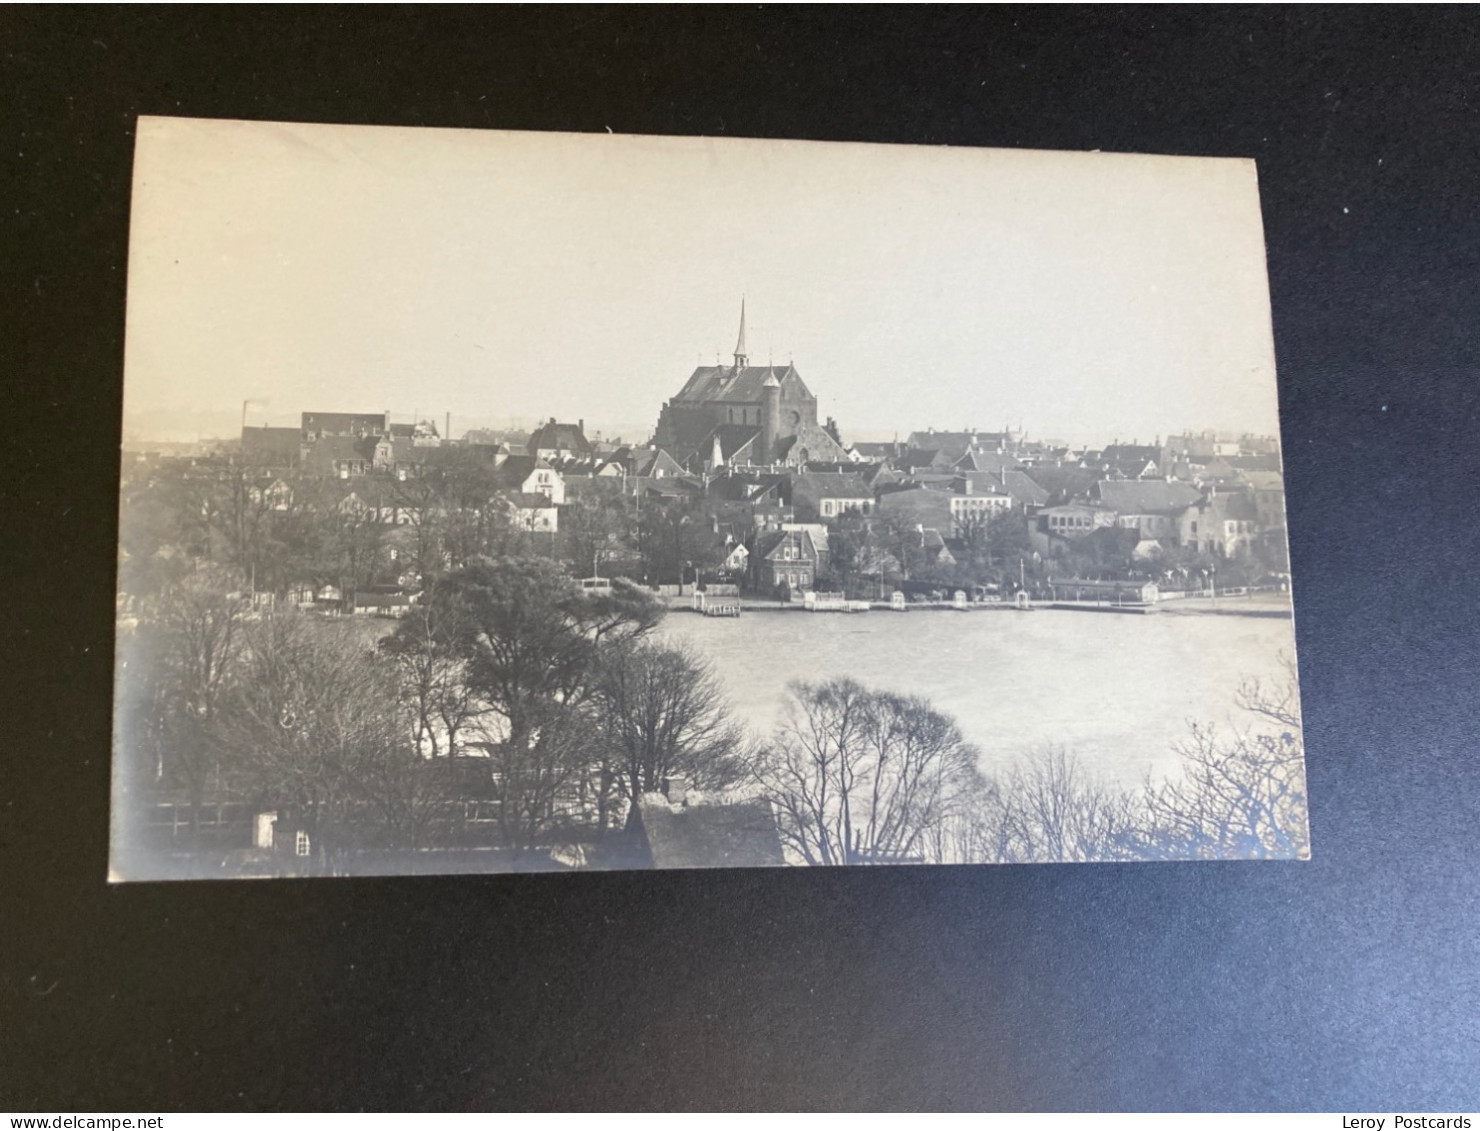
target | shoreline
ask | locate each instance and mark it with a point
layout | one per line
(1262, 605)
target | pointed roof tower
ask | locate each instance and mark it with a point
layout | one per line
(742, 359)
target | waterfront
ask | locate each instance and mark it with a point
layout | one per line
(1118, 692)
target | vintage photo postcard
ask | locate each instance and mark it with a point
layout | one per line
(509, 501)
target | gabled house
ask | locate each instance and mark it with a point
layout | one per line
(532, 512)
(1267, 488)
(784, 557)
(532, 476)
(1133, 461)
(398, 457)
(274, 494)
(933, 550)
(1223, 523)
(1153, 508)
(647, 462)
(821, 542)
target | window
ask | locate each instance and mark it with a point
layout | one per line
(300, 844)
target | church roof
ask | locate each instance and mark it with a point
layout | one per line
(726, 383)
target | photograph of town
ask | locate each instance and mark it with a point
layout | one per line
(534, 502)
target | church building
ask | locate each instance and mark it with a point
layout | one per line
(745, 415)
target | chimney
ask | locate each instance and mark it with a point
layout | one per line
(676, 790)
(581, 424)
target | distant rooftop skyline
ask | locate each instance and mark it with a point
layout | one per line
(503, 276)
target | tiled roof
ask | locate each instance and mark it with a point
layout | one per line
(1263, 480)
(1068, 481)
(559, 437)
(1236, 506)
(1022, 488)
(1150, 496)
(831, 485)
(986, 461)
(1266, 461)
(767, 547)
(741, 834)
(732, 439)
(724, 383)
(344, 447)
(516, 469)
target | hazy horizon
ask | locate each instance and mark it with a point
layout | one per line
(517, 276)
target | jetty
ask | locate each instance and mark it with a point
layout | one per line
(832, 603)
(725, 605)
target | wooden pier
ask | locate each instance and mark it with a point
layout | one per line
(725, 606)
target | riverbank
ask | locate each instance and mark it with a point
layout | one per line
(1248, 605)
(1244, 605)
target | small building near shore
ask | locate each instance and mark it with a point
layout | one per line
(683, 829)
(1108, 592)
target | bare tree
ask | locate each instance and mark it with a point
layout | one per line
(315, 726)
(1051, 810)
(594, 526)
(1242, 794)
(866, 777)
(426, 647)
(198, 621)
(662, 714)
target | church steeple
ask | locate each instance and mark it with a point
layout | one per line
(742, 359)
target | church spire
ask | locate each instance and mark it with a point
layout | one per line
(742, 359)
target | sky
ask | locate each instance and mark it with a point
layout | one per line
(504, 276)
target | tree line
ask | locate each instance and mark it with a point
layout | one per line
(553, 710)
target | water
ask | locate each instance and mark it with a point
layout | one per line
(1116, 691)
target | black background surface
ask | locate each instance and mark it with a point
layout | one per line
(1350, 982)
